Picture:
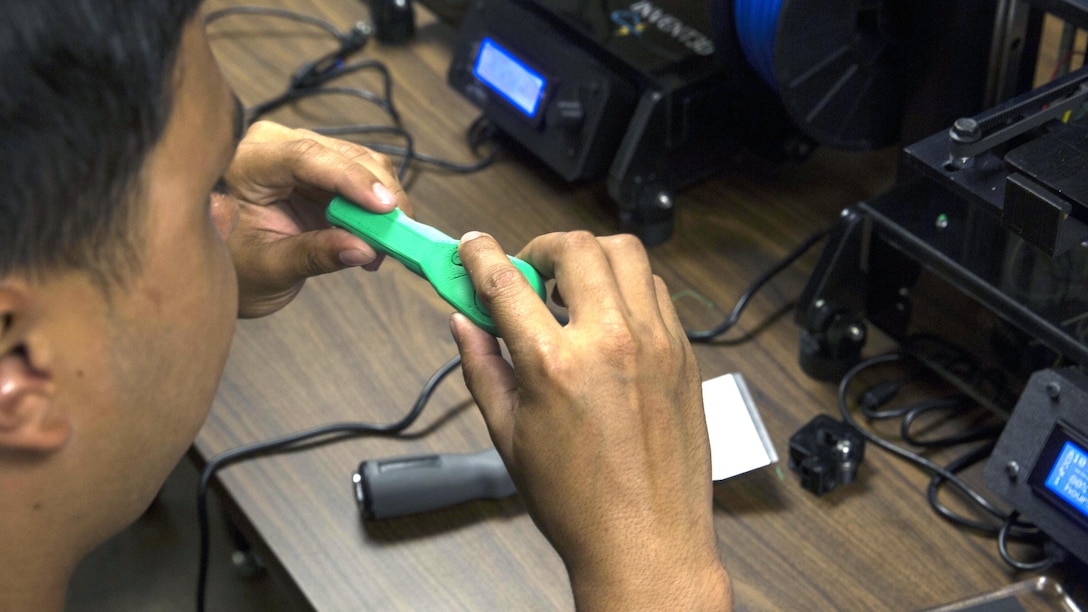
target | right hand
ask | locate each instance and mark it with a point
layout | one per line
(600, 421)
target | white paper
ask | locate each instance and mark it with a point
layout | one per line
(738, 441)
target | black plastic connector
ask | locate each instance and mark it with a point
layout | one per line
(322, 70)
(826, 453)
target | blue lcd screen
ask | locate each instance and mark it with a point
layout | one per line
(509, 77)
(1068, 478)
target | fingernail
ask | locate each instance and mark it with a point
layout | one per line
(354, 257)
(385, 197)
(470, 236)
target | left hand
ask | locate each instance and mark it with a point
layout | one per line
(277, 188)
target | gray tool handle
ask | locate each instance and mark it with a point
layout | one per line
(397, 486)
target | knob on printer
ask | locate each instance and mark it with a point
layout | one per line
(571, 113)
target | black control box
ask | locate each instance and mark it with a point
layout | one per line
(631, 91)
(1040, 463)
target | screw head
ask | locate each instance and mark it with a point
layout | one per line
(664, 200)
(1053, 389)
(1012, 470)
(966, 129)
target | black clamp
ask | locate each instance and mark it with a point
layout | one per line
(826, 453)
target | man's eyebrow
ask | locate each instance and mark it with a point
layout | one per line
(239, 121)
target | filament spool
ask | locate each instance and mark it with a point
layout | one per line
(835, 64)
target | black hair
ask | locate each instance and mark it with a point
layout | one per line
(85, 93)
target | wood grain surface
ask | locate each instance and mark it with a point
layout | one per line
(358, 346)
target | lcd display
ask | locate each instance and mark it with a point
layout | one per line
(509, 77)
(1068, 477)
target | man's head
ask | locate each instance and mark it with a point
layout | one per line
(85, 92)
(117, 293)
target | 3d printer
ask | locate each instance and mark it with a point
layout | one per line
(654, 95)
(991, 197)
(995, 207)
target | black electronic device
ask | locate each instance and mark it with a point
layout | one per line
(1040, 463)
(654, 95)
(996, 206)
(631, 90)
(636, 92)
(982, 241)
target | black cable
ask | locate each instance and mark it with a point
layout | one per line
(381, 69)
(257, 111)
(290, 442)
(303, 81)
(312, 79)
(478, 132)
(960, 368)
(734, 315)
(275, 12)
(423, 158)
(1010, 527)
(918, 410)
(899, 451)
(408, 150)
(1003, 549)
(956, 466)
(474, 135)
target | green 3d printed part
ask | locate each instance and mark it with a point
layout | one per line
(425, 251)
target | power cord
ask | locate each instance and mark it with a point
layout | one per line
(480, 132)
(708, 335)
(313, 78)
(327, 433)
(1008, 526)
(1049, 559)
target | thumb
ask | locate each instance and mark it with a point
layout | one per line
(296, 258)
(490, 379)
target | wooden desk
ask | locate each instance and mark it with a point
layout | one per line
(358, 346)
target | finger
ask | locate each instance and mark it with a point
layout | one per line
(634, 278)
(380, 165)
(515, 307)
(667, 308)
(582, 271)
(271, 132)
(264, 170)
(489, 378)
(295, 258)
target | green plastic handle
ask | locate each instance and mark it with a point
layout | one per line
(425, 251)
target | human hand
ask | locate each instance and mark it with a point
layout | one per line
(600, 422)
(276, 190)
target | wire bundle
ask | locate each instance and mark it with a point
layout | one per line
(314, 78)
(1003, 525)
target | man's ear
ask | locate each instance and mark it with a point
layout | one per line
(29, 420)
